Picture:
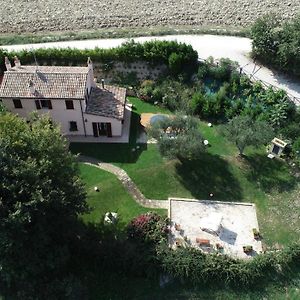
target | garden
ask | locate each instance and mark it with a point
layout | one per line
(128, 259)
(216, 95)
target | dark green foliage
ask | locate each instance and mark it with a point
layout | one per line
(190, 265)
(244, 131)
(41, 196)
(172, 94)
(296, 150)
(178, 137)
(277, 44)
(153, 52)
(148, 227)
(175, 63)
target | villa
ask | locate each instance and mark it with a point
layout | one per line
(69, 95)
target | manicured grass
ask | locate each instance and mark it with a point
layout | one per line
(267, 183)
(140, 107)
(112, 197)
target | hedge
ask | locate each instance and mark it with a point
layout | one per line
(153, 52)
(193, 266)
(277, 44)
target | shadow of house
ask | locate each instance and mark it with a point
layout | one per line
(114, 152)
(270, 174)
(209, 174)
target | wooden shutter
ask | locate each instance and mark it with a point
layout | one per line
(37, 104)
(49, 104)
(108, 129)
(95, 129)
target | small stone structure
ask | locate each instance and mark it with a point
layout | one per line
(277, 147)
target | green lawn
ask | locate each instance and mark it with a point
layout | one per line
(268, 183)
(144, 107)
(111, 197)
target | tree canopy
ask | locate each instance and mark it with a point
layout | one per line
(244, 131)
(178, 137)
(277, 44)
(41, 196)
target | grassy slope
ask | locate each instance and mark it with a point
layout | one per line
(43, 37)
(251, 180)
(112, 196)
(267, 183)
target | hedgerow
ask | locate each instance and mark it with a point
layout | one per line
(170, 53)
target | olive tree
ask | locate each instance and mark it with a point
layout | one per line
(178, 137)
(244, 131)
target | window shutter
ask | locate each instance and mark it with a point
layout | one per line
(49, 104)
(95, 129)
(37, 104)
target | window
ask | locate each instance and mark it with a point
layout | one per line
(43, 104)
(69, 104)
(73, 126)
(17, 103)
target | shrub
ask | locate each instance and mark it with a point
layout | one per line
(153, 52)
(147, 227)
(277, 44)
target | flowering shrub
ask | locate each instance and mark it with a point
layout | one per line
(148, 227)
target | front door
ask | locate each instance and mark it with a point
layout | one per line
(102, 129)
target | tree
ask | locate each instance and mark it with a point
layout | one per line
(264, 36)
(178, 137)
(175, 63)
(244, 131)
(40, 199)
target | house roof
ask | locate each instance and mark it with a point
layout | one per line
(48, 82)
(108, 102)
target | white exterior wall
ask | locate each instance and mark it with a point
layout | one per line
(62, 116)
(116, 125)
(59, 113)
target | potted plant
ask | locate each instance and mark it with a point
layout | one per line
(256, 233)
(247, 249)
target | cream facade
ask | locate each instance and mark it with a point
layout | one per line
(69, 95)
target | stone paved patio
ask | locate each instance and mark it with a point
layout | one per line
(238, 220)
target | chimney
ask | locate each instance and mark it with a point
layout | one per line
(7, 63)
(31, 87)
(91, 78)
(90, 63)
(17, 62)
(102, 82)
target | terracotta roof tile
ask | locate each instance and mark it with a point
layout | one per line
(48, 82)
(107, 102)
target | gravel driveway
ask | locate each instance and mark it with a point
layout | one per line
(19, 16)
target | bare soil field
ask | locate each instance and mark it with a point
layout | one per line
(25, 16)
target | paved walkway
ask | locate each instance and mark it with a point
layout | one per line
(126, 181)
(235, 48)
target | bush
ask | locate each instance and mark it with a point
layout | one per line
(147, 227)
(153, 52)
(277, 44)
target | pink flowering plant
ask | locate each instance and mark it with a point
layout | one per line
(148, 227)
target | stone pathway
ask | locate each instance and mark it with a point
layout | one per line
(126, 181)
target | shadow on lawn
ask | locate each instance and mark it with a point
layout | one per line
(114, 152)
(270, 174)
(210, 174)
